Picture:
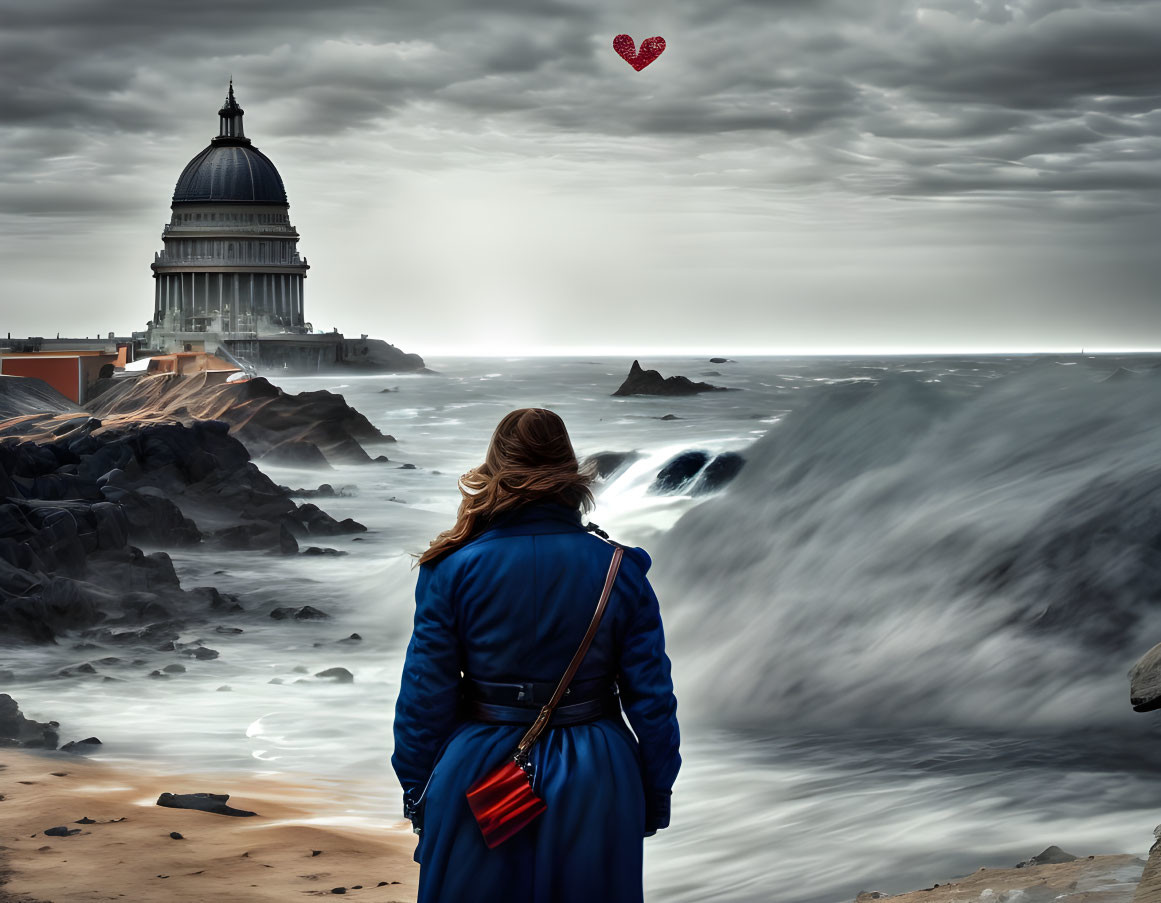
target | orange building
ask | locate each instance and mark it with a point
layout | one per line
(69, 372)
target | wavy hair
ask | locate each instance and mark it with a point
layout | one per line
(530, 459)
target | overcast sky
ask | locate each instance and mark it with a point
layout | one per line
(791, 175)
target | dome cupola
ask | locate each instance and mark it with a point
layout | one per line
(231, 169)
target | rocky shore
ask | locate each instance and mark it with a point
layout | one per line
(80, 497)
(1090, 879)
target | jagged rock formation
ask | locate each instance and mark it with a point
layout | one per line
(18, 730)
(71, 509)
(651, 382)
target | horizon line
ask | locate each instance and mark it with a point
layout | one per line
(639, 353)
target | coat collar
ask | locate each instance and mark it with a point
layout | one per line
(536, 517)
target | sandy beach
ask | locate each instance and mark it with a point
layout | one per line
(127, 851)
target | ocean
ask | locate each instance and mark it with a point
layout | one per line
(899, 637)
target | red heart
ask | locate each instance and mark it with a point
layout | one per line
(650, 49)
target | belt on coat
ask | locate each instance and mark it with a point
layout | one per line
(519, 703)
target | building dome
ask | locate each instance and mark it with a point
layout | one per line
(230, 267)
(230, 171)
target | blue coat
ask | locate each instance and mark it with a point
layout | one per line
(512, 605)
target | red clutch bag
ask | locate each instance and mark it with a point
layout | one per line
(503, 801)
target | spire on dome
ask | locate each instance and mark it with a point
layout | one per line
(230, 119)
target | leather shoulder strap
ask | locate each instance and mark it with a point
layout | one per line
(541, 721)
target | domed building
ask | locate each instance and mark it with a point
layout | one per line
(229, 281)
(230, 266)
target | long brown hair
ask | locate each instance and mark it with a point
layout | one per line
(529, 459)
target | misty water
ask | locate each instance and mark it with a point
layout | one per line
(899, 637)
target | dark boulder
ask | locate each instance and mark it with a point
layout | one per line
(717, 473)
(89, 744)
(679, 471)
(306, 613)
(339, 675)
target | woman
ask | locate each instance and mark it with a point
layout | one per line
(502, 601)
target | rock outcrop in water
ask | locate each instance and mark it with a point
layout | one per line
(651, 382)
(696, 473)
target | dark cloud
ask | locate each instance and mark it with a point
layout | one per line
(1016, 108)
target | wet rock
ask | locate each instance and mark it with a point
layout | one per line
(339, 675)
(318, 550)
(80, 747)
(214, 600)
(232, 631)
(296, 453)
(85, 821)
(679, 470)
(62, 831)
(306, 613)
(721, 360)
(174, 669)
(324, 491)
(650, 382)
(201, 653)
(353, 638)
(206, 802)
(176, 836)
(717, 473)
(17, 730)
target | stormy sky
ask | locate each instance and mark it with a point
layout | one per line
(790, 175)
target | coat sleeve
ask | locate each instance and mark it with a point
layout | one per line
(426, 711)
(647, 697)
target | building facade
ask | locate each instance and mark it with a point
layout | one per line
(230, 270)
